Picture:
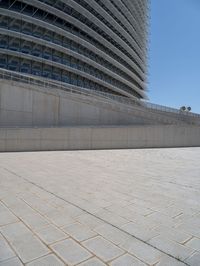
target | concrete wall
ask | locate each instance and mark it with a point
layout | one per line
(87, 137)
(29, 105)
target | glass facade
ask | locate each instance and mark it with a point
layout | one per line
(97, 44)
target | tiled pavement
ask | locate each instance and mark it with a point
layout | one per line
(93, 208)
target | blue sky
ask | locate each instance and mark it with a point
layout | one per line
(174, 53)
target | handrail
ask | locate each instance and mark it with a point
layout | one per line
(47, 83)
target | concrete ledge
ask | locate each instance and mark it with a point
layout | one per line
(102, 137)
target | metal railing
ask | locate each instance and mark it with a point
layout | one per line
(49, 83)
(108, 97)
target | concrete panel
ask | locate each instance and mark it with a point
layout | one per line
(16, 98)
(68, 112)
(19, 139)
(77, 138)
(45, 109)
(2, 139)
(23, 145)
(23, 133)
(30, 105)
(89, 114)
(11, 118)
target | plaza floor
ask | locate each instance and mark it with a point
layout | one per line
(95, 208)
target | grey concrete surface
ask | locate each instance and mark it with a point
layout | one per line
(23, 104)
(113, 207)
(102, 137)
(28, 105)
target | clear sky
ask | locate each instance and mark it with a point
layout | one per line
(174, 53)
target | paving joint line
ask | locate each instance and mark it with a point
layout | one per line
(30, 182)
(11, 247)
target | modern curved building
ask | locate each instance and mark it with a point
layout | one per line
(98, 45)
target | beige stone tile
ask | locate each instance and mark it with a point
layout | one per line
(49, 260)
(89, 220)
(168, 261)
(102, 248)
(11, 262)
(194, 259)
(71, 252)
(179, 251)
(111, 217)
(59, 218)
(51, 234)
(17, 206)
(112, 179)
(127, 260)
(34, 221)
(5, 250)
(173, 234)
(112, 233)
(93, 262)
(142, 251)
(139, 231)
(25, 244)
(194, 243)
(6, 217)
(79, 231)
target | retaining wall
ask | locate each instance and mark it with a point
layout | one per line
(91, 137)
(30, 105)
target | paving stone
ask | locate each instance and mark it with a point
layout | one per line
(127, 260)
(194, 260)
(89, 220)
(83, 204)
(122, 211)
(173, 234)
(49, 260)
(37, 203)
(2, 207)
(139, 231)
(59, 218)
(6, 217)
(55, 201)
(168, 261)
(194, 243)
(11, 262)
(116, 180)
(139, 209)
(112, 233)
(72, 210)
(142, 251)
(25, 244)
(71, 252)
(193, 230)
(34, 220)
(79, 231)
(158, 218)
(170, 247)
(92, 262)
(5, 250)
(51, 234)
(172, 211)
(102, 248)
(111, 217)
(17, 206)
(29, 248)
(15, 230)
